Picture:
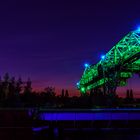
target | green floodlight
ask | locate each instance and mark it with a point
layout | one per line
(83, 90)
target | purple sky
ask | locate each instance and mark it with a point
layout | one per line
(49, 41)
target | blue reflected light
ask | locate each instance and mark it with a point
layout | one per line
(39, 128)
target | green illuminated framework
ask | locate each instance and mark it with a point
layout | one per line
(119, 64)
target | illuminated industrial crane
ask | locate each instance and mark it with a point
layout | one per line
(114, 68)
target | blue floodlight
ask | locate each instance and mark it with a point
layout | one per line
(86, 65)
(77, 83)
(138, 29)
(102, 56)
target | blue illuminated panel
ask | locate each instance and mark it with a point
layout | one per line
(90, 115)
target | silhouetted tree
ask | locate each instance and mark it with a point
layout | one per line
(12, 87)
(50, 91)
(6, 86)
(6, 77)
(127, 94)
(19, 85)
(48, 96)
(27, 92)
(67, 94)
(131, 96)
(1, 92)
(28, 86)
(62, 93)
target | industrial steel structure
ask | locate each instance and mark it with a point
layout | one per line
(114, 68)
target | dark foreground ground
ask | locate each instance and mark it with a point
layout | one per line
(80, 134)
(21, 125)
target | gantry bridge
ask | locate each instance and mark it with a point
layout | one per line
(113, 70)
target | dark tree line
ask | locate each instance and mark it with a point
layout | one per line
(11, 88)
(16, 93)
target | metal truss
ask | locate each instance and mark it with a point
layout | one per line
(119, 64)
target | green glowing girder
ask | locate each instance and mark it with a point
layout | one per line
(96, 84)
(125, 53)
(134, 67)
(122, 83)
(125, 75)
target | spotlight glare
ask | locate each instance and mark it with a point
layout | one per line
(103, 57)
(86, 65)
(77, 83)
(138, 29)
